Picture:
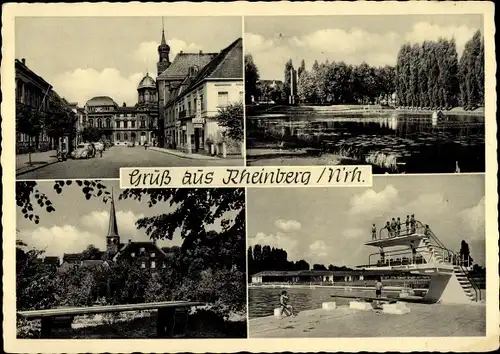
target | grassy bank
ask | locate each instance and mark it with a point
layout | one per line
(351, 109)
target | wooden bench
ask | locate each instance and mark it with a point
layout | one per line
(172, 316)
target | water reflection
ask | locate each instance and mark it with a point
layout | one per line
(263, 301)
(397, 142)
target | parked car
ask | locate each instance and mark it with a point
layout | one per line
(83, 151)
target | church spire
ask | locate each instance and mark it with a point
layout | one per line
(113, 226)
(163, 41)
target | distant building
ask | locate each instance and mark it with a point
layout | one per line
(123, 124)
(81, 121)
(145, 254)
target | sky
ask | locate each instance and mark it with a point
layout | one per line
(374, 39)
(77, 222)
(83, 57)
(331, 225)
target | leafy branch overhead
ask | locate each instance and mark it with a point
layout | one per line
(195, 210)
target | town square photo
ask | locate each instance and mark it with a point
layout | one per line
(168, 93)
(404, 258)
(403, 93)
(93, 261)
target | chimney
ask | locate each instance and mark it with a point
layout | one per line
(129, 241)
(181, 52)
(201, 51)
(23, 61)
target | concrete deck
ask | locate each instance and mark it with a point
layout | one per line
(423, 321)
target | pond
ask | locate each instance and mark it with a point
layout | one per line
(263, 301)
(391, 142)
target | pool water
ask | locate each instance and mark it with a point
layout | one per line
(263, 301)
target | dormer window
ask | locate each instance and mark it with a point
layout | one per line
(152, 255)
(193, 71)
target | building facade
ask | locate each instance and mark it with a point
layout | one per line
(124, 124)
(192, 90)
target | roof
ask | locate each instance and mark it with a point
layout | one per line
(182, 62)
(51, 260)
(101, 101)
(228, 64)
(69, 257)
(147, 82)
(305, 273)
(137, 244)
(93, 262)
(19, 65)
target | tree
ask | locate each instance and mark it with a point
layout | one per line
(251, 79)
(302, 68)
(306, 87)
(231, 118)
(319, 267)
(60, 121)
(286, 83)
(29, 122)
(465, 257)
(91, 252)
(471, 73)
(90, 134)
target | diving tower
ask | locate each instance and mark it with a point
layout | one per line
(419, 251)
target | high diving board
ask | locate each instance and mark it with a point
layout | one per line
(396, 241)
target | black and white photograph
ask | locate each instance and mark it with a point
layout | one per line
(111, 92)
(404, 258)
(403, 93)
(96, 262)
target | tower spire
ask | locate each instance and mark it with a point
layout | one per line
(163, 41)
(113, 226)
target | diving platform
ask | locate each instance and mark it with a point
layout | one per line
(419, 251)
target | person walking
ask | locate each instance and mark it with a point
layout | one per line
(407, 224)
(285, 307)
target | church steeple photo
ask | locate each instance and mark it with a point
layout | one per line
(112, 238)
(163, 52)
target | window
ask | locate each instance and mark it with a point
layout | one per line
(142, 249)
(222, 99)
(91, 122)
(143, 264)
(133, 123)
(153, 264)
(152, 254)
(118, 124)
(125, 136)
(132, 254)
(143, 123)
(108, 123)
(99, 123)
(201, 101)
(118, 136)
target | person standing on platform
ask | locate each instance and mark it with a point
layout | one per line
(374, 232)
(413, 224)
(407, 224)
(394, 227)
(398, 227)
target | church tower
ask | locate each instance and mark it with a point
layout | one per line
(163, 52)
(112, 239)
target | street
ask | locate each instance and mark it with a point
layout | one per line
(112, 159)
